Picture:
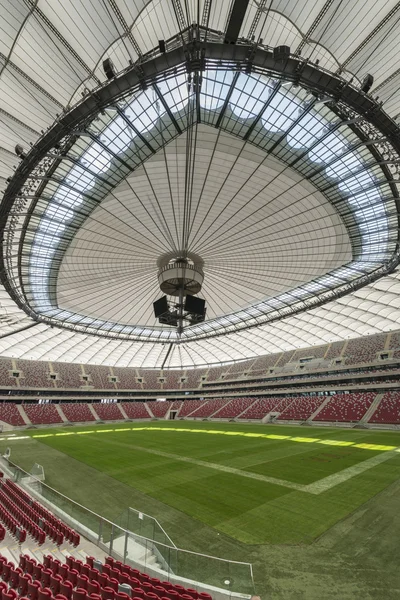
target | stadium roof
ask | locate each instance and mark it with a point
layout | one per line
(281, 176)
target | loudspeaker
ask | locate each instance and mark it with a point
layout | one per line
(367, 83)
(160, 307)
(281, 53)
(161, 46)
(194, 305)
(108, 68)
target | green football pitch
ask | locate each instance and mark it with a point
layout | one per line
(316, 510)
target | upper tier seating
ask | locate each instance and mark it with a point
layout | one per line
(135, 410)
(234, 408)
(69, 375)
(35, 374)
(99, 377)
(159, 408)
(346, 407)
(193, 378)
(108, 412)
(151, 379)
(76, 412)
(301, 408)
(388, 410)
(364, 350)
(335, 350)
(172, 379)
(5, 373)
(10, 414)
(209, 408)
(127, 379)
(215, 373)
(42, 414)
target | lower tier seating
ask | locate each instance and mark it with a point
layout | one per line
(78, 580)
(301, 408)
(346, 408)
(76, 412)
(136, 410)
(234, 408)
(108, 412)
(10, 414)
(388, 410)
(42, 414)
(206, 409)
(159, 409)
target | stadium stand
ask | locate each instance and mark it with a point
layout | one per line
(127, 379)
(194, 378)
(99, 377)
(264, 363)
(10, 414)
(394, 343)
(135, 410)
(233, 408)
(215, 373)
(207, 409)
(334, 351)
(78, 580)
(172, 379)
(151, 379)
(364, 350)
(260, 409)
(42, 414)
(38, 521)
(346, 407)
(176, 405)
(108, 411)
(34, 374)
(301, 408)
(77, 412)
(158, 408)
(189, 406)
(5, 373)
(388, 410)
(69, 375)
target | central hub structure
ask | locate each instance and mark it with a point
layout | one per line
(179, 276)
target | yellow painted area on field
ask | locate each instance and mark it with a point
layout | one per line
(269, 436)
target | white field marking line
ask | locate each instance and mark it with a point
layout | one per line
(202, 463)
(322, 485)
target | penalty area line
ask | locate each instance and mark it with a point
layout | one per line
(325, 484)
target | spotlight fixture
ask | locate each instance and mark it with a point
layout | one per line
(281, 53)
(109, 69)
(19, 151)
(367, 83)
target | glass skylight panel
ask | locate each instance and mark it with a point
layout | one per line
(249, 96)
(117, 137)
(281, 112)
(175, 92)
(144, 110)
(215, 88)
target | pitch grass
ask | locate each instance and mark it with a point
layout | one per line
(340, 544)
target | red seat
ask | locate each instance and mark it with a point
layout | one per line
(30, 562)
(89, 561)
(93, 587)
(70, 562)
(22, 561)
(186, 597)
(146, 586)
(95, 597)
(204, 596)
(150, 596)
(85, 570)
(61, 597)
(113, 583)
(37, 572)
(44, 593)
(79, 594)
(159, 590)
(109, 561)
(172, 594)
(122, 596)
(14, 577)
(82, 581)
(10, 595)
(138, 593)
(6, 571)
(66, 588)
(55, 581)
(33, 587)
(63, 571)
(72, 576)
(23, 584)
(106, 570)
(103, 579)
(107, 593)
(45, 577)
(192, 593)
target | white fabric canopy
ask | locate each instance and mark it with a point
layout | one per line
(50, 52)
